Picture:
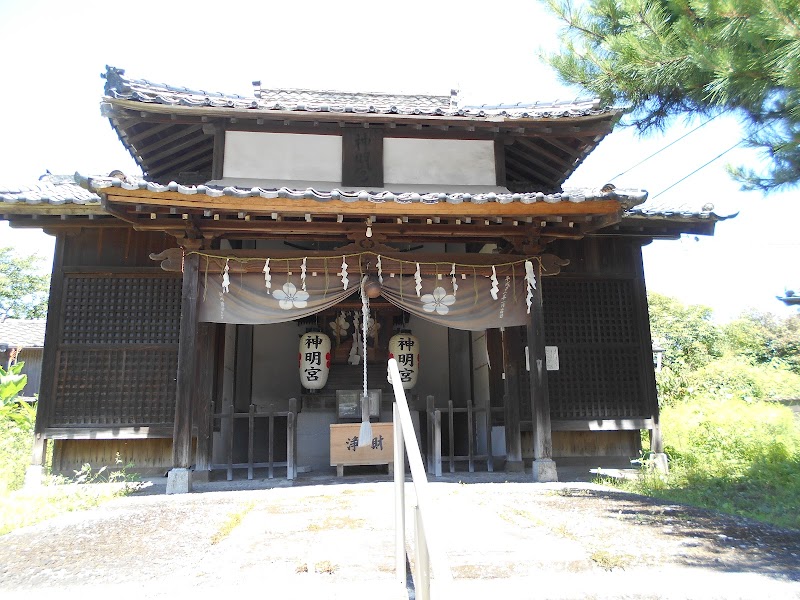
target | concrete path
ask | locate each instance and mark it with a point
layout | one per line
(328, 538)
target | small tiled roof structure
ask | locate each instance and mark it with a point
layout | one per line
(22, 333)
(790, 298)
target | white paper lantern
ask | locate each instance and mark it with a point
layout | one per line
(315, 360)
(404, 348)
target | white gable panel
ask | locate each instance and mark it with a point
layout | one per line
(448, 162)
(283, 156)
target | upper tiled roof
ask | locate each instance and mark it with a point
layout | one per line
(316, 98)
(141, 90)
(23, 333)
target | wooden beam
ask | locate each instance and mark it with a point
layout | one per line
(534, 165)
(218, 162)
(316, 261)
(529, 144)
(204, 147)
(148, 132)
(23, 208)
(104, 432)
(169, 139)
(500, 161)
(187, 348)
(512, 353)
(571, 151)
(544, 469)
(494, 350)
(287, 206)
(522, 158)
(627, 424)
(204, 396)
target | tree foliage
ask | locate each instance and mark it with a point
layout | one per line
(690, 340)
(23, 289)
(765, 338)
(687, 333)
(670, 57)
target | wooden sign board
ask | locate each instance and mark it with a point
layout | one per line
(345, 450)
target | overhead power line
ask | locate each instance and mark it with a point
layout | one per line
(673, 142)
(703, 166)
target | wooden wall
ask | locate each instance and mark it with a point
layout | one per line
(112, 333)
(147, 456)
(584, 444)
(596, 314)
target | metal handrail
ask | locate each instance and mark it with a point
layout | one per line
(425, 545)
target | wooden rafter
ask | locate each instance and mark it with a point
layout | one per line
(164, 141)
(287, 206)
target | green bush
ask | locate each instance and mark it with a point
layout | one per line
(732, 455)
(16, 443)
(735, 377)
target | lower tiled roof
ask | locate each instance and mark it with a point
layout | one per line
(77, 189)
(22, 333)
(46, 192)
(626, 197)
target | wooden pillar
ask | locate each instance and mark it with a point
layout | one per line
(228, 385)
(494, 351)
(47, 390)
(544, 469)
(204, 398)
(180, 477)
(647, 370)
(512, 352)
(45, 406)
(460, 366)
(243, 389)
(34, 474)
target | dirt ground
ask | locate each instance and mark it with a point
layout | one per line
(325, 537)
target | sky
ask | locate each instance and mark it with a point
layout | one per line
(50, 91)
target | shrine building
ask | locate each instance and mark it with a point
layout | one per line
(226, 311)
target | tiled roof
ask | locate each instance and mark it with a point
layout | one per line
(304, 97)
(628, 198)
(61, 190)
(685, 210)
(51, 189)
(141, 90)
(22, 333)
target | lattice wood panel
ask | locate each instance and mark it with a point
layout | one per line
(121, 310)
(589, 312)
(600, 353)
(121, 386)
(117, 359)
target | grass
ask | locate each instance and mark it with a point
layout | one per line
(22, 508)
(233, 520)
(610, 560)
(335, 522)
(734, 456)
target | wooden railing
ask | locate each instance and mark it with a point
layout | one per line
(226, 420)
(434, 431)
(425, 544)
